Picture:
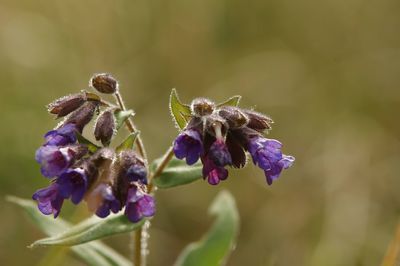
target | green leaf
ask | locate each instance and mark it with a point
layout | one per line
(94, 253)
(177, 173)
(91, 229)
(233, 101)
(127, 144)
(179, 111)
(82, 140)
(121, 116)
(214, 248)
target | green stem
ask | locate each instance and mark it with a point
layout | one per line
(137, 249)
(131, 127)
(167, 157)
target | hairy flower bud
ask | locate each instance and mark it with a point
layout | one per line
(104, 83)
(202, 106)
(67, 104)
(102, 156)
(258, 121)
(105, 127)
(83, 115)
(234, 116)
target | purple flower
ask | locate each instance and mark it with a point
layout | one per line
(139, 205)
(49, 200)
(73, 183)
(219, 153)
(62, 136)
(105, 201)
(54, 160)
(213, 172)
(188, 144)
(137, 172)
(267, 154)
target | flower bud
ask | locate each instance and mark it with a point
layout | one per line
(103, 155)
(202, 106)
(67, 104)
(129, 167)
(83, 115)
(258, 121)
(127, 158)
(104, 83)
(105, 127)
(234, 116)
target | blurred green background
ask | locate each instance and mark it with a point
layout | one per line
(327, 72)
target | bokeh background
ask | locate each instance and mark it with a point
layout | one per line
(327, 72)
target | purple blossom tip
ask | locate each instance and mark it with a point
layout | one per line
(139, 205)
(108, 202)
(49, 200)
(62, 136)
(267, 154)
(190, 145)
(212, 172)
(137, 173)
(219, 153)
(73, 183)
(54, 160)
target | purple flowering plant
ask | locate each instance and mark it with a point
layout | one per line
(118, 183)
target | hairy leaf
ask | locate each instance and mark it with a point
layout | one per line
(179, 111)
(177, 173)
(94, 253)
(89, 230)
(127, 144)
(233, 101)
(121, 116)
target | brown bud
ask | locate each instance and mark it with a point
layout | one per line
(234, 116)
(67, 104)
(202, 106)
(78, 150)
(125, 159)
(129, 157)
(105, 127)
(104, 83)
(83, 115)
(258, 121)
(103, 156)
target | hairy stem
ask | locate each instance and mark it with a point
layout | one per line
(137, 249)
(131, 127)
(167, 157)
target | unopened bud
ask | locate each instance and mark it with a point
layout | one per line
(105, 127)
(127, 158)
(202, 106)
(83, 115)
(258, 121)
(103, 156)
(67, 104)
(234, 116)
(104, 83)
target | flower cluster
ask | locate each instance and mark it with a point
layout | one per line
(220, 135)
(108, 180)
